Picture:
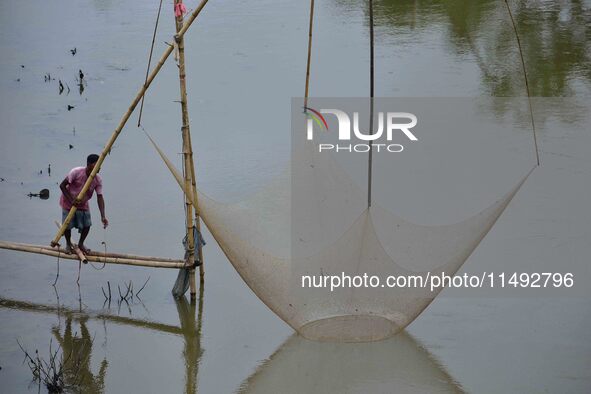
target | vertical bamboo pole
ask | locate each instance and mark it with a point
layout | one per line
(189, 171)
(306, 92)
(124, 120)
(197, 216)
(371, 97)
(531, 110)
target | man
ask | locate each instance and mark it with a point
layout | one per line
(71, 187)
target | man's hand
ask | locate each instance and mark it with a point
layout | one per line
(101, 204)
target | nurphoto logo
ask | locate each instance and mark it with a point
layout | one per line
(395, 123)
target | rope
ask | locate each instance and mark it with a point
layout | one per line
(309, 55)
(371, 96)
(57, 275)
(139, 120)
(531, 111)
(170, 166)
(104, 243)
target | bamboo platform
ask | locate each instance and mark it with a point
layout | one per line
(108, 258)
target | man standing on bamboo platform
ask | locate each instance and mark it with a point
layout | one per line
(71, 187)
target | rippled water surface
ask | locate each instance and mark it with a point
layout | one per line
(245, 60)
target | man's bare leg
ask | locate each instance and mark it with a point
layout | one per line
(83, 235)
(68, 236)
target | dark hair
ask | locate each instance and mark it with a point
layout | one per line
(92, 159)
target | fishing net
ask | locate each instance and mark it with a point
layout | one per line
(314, 221)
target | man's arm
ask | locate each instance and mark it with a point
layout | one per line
(66, 192)
(101, 204)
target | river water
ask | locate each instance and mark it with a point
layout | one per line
(245, 60)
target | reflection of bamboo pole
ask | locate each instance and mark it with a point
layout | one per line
(187, 153)
(79, 315)
(191, 329)
(124, 120)
(103, 258)
(309, 54)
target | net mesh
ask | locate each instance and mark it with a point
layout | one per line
(312, 223)
(336, 233)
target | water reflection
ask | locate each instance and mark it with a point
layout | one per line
(399, 364)
(554, 35)
(191, 323)
(76, 357)
(78, 344)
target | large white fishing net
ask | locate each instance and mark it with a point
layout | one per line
(314, 220)
(377, 242)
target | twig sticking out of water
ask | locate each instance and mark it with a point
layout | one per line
(127, 295)
(142, 288)
(107, 297)
(50, 373)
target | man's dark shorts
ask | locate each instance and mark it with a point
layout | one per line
(80, 220)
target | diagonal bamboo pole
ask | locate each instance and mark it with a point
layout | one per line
(125, 118)
(187, 153)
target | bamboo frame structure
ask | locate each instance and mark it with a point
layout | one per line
(109, 258)
(125, 118)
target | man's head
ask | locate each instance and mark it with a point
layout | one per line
(91, 161)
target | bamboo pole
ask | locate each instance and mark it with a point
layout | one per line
(125, 118)
(309, 55)
(188, 194)
(139, 119)
(531, 110)
(197, 218)
(188, 154)
(105, 258)
(371, 97)
(126, 256)
(80, 255)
